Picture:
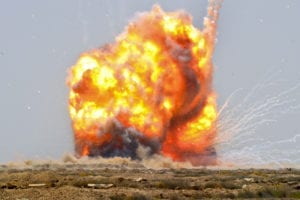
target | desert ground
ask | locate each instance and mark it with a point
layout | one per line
(123, 181)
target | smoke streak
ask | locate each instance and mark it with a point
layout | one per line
(239, 140)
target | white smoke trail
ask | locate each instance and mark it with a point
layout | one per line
(240, 141)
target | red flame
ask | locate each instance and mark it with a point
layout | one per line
(153, 86)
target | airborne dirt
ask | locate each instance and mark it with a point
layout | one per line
(107, 181)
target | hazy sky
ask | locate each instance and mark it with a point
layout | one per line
(40, 40)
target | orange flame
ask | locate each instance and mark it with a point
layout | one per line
(155, 79)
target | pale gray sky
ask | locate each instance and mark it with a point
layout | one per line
(40, 40)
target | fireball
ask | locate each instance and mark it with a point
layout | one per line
(151, 88)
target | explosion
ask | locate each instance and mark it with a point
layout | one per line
(152, 88)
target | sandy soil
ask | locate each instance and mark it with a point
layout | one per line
(105, 181)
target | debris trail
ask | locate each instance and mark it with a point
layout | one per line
(239, 139)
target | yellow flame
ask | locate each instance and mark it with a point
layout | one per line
(139, 80)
